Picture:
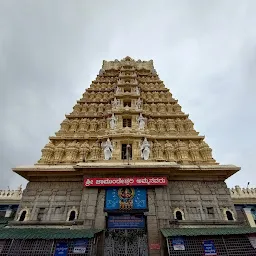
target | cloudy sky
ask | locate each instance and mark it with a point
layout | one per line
(204, 51)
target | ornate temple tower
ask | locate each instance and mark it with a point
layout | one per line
(128, 161)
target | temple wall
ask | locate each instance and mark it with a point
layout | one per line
(59, 198)
(192, 198)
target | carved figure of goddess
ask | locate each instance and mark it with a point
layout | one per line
(145, 149)
(107, 149)
(141, 121)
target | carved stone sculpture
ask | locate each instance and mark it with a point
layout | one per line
(170, 125)
(146, 107)
(74, 125)
(118, 90)
(141, 122)
(179, 125)
(151, 124)
(189, 125)
(116, 103)
(103, 124)
(161, 108)
(64, 126)
(85, 108)
(177, 108)
(47, 153)
(84, 151)
(149, 96)
(93, 125)
(157, 151)
(153, 107)
(93, 108)
(194, 151)
(71, 152)
(107, 149)
(77, 108)
(145, 149)
(181, 151)
(169, 107)
(84, 125)
(138, 103)
(59, 152)
(160, 125)
(101, 108)
(155, 96)
(205, 151)
(169, 151)
(95, 151)
(108, 108)
(112, 121)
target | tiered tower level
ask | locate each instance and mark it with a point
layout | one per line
(127, 103)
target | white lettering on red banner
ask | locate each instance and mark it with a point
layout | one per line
(136, 181)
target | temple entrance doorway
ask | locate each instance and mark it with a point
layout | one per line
(126, 236)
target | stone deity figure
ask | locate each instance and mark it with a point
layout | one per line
(74, 125)
(65, 125)
(181, 150)
(71, 151)
(138, 103)
(170, 125)
(95, 151)
(118, 90)
(113, 121)
(179, 125)
(151, 124)
(116, 103)
(177, 108)
(59, 152)
(84, 125)
(169, 151)
(146, 107)
(47, 153)
(160, 125)
(137, 90)
(145, 149)
(85, 107)
(189, 125)
(194, 151)
(108, 107)
(205, 151)
(93, 125)
(153, 107)
(101, 108)
(84, 151)
(169, 107)
(141, 122)
(155, 96)
(107, 149)
(76, 109)
(103, 124)
(157, 150)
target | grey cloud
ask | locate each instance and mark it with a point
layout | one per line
(205, 51)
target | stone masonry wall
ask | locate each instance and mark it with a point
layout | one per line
(192, 198)
(59, 198)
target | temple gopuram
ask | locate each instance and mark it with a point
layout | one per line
(127, 174)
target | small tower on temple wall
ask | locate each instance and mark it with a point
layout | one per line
(127, 114)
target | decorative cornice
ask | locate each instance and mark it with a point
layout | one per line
(116, 64)
(11, 195)
(242, 193)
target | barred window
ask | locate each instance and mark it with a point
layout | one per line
(127, 122)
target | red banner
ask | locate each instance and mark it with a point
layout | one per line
(117, 182)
